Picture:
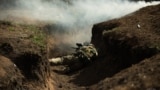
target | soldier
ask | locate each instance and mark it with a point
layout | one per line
(84, 54)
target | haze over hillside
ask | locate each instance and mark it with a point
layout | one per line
(76, 17)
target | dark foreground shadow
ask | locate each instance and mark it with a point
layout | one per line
(95, 72)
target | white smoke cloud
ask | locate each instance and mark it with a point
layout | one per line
(75, 17)
(79, 11)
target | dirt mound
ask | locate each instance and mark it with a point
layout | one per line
(142, 76)
(121, 43)
(127, 41)
(25, 46)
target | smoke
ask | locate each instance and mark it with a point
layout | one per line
(71, 20)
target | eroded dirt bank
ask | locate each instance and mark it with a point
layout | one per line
(27, 66)
(131, 41)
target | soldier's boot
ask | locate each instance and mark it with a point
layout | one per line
(56, 61)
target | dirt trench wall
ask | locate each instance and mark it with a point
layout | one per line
(121, 43)
(24, 47)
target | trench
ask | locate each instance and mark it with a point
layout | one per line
(114, 56)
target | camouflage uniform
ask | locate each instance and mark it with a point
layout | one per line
(83, 55)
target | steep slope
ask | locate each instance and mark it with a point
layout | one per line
(124, 42)
(130, 39)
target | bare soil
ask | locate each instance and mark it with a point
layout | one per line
(27, 57)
